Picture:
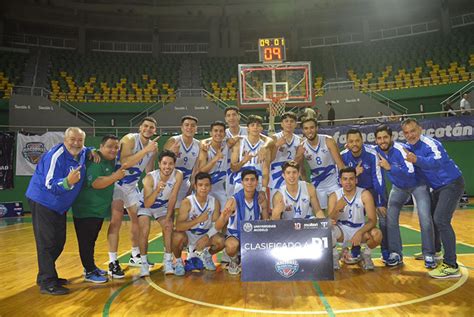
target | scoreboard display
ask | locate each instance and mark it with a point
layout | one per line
(272, 50)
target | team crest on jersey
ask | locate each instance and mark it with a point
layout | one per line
(305, 200)
(193, 153)
(32, 151)
(287, 268)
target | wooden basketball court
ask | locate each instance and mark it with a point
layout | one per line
(406, 290)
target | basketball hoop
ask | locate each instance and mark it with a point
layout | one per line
(277, 104)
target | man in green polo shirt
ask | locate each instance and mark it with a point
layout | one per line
(93, 205)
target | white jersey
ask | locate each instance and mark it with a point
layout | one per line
(231, 175)
(187, 157)
(247, 147)
(242, 132)
(285, 153)
(196, 210)
(322, 165)
(249, 215)
(219, 171)
(354, 212)
(298, 207)
(132, 174)
(160, 205)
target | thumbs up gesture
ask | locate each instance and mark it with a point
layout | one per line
(74, 176)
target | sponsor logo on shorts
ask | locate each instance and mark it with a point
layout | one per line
(287, 268)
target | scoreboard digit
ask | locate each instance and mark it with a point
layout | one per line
(272, 50)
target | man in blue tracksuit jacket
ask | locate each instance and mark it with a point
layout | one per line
(53, 188)
(444, 177)
(369, 176)
(406, 181)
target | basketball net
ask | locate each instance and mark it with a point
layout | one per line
(276, 108)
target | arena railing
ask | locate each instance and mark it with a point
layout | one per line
(204, 130)
(458, 94)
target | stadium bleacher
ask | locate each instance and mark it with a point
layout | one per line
(12, 65)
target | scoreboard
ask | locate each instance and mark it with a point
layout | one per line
(272, 50)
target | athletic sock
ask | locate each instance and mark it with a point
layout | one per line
(144, 258)
(112, 256)
(168, 257)
(135, 251)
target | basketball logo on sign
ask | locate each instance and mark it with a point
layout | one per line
(297, 226)
(287, 268)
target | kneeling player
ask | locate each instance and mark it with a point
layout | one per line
(295, 199)
(195, 225)
(160, 189)
(347, 208)
(242, 206)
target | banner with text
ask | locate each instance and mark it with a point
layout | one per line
(443, 129)
(7, 145)
(30, 148)
(286, 250)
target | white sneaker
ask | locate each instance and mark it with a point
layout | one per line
(233, 268)
(135, 261)
(168, 267)
(144, 270)
(206, 258)
(225, 259)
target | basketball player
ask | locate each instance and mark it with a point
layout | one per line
(215, 161)
(295, 199)
(322, 155)
(286, 144)
(195, 225)
(243, 205)
(137, 150)
(160, 190)
(232, 118)
(370, 176)
(186, 148)
(347, 208)
(244, 155)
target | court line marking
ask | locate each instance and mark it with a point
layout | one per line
(457, 241)
(323, 299)
(108, 303)
(126, 252)
(16, 229)
(459, 283)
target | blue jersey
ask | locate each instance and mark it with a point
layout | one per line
(285, 153)
(434, 163)
(372, 176)
(402, 173)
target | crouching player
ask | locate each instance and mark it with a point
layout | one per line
(242, 206)
(195, 226)
(160, 189)
(347, 208)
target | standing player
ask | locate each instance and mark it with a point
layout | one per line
(369, 176)
(195, 225)
(215, 161)
(347, 208)
(138, 151)
(160, 189)
(442, 174)
(242, 206)
(286, 144)
(405, 183)
(186, 148)
(245, 152)
(232, 118)
(322, 155)
(295, 199)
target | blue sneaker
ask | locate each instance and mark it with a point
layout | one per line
(194, 265)
(430, 262)
(99, 271)
(95, 277)
(179, 269)
(385, 255)
(394, 259)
